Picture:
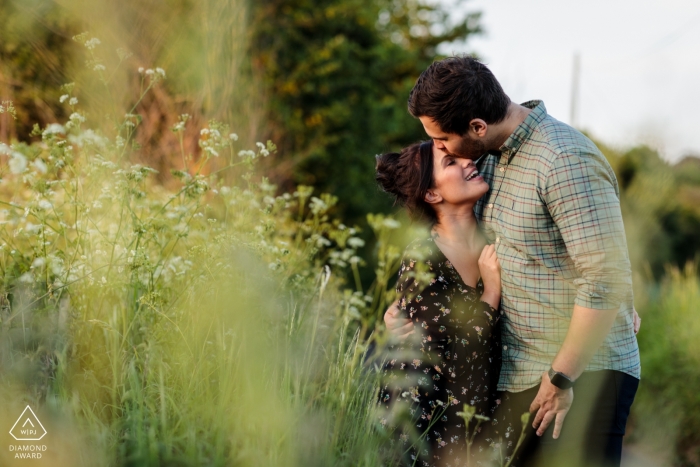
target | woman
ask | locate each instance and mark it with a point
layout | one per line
(455, 313)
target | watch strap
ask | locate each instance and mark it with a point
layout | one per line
(560, 380)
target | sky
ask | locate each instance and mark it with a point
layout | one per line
(639, 79)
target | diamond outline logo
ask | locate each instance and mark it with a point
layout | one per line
(25, 423)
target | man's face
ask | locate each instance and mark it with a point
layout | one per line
(453, 144)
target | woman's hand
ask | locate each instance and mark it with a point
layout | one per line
(490, 275)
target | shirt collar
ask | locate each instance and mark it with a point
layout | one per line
(524, 130)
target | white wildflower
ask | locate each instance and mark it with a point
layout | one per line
(38, 262)
(99, 67)
(5, 149)
(322, 242)
(233, 136)
(246, 153)
(150, 73)
(73, 101)
(63, 98)
(92, 43)
(40, 166)
(54, 129)
(211, 151)
(76, 117)
(204, 131)
(160, 72)
(391, 223)
(27, 277)
(18, 163)
(141, 70)
(88, 137)
(355, 242)
(45, 204)
(317, 205)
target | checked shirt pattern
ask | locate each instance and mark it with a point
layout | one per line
(553, 212)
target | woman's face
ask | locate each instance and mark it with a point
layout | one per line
(456, 179)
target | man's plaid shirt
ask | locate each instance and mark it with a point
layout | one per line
(553, 211)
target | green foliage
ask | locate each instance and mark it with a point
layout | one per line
(339, 74)
(660, 207)
(665, 413)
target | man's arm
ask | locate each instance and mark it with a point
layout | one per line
(582, 197)
(586, 333)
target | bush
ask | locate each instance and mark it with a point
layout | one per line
(666, 412)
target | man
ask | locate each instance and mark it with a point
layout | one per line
(553, 213)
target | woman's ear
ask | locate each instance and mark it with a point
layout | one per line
(432, 197)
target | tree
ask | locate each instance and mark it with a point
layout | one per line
(339, 73)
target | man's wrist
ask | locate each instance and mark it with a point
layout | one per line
(559, 379)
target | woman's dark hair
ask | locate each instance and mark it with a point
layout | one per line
(456, 90)
(407, 176)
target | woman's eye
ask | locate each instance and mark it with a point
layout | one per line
(452, 161)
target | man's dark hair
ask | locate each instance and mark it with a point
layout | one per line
(456, 90)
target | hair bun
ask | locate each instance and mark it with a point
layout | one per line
(407, 176)
(388, 172)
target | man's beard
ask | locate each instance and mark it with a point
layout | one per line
(471, 149)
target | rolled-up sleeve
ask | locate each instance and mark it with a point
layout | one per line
(582, 197)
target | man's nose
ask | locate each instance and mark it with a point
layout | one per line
(439, 144)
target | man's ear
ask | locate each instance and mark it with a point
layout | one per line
(432, 197)
(478, 127)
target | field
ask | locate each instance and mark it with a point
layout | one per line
(196, 313)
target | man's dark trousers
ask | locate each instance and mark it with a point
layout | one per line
(593, 429)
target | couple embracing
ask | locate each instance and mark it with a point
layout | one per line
(530, 305)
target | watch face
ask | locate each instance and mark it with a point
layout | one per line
(561, 381)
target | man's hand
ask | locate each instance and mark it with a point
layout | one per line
(551, 403)
(399, 328)
(637, 320)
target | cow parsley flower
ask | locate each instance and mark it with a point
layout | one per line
(18, 163)
(92, 43)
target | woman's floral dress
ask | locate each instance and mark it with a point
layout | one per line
(455, 360)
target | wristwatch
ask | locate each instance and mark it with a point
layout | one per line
(560, 380)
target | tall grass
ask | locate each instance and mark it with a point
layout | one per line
(195, 325)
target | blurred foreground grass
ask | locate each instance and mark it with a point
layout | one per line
(201, 325)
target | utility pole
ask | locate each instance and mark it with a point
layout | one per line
(574, 90)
